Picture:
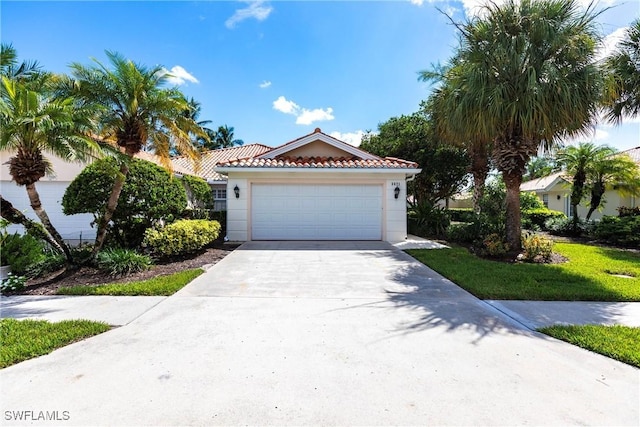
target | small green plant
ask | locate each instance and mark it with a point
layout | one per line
(495, 245)
(560, 226)
(48, 264)
(428, 220)
(624, 231)
(181, 237)
(536, 247)
(539, 216)
(120, 262)
(13, 283)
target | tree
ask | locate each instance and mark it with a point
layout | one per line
(539, 167)
(33, 123)
(134, 111)
(623, 67)
(12, 69)
(444, 166)
(224, 138)
(615, 171)
(149, 194)
(525, 77)
(195, 108)
(578, 161)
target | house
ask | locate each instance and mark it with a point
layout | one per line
(316, 188)
(554, 190)
(208, 162)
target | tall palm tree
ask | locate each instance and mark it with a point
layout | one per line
(134, 111)
(224, 138)
(578, 160)
(525, 77)
(623, 68)
(11, 68)
(615, 171)
(33, 123)
(195, 108)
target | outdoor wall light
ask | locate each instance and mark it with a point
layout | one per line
(558, 197)
(237, 191)
(396, 192)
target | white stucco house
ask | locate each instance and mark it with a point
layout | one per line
(554, 190)
(316, 188)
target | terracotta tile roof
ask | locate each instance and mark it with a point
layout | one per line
(150, 157)
(210, 159)
(321, 163)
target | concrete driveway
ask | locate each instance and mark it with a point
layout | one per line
(357, 333)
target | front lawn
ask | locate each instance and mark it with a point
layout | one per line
(25, 339)
(162, 285)
(618, 342)
(589, 275)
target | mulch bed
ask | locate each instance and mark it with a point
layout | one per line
(88, 276)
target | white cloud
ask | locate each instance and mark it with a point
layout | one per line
(609, 43)
(304, 116)
(353, 138)
(475, 7)
(179, 76)
(600, 134)
(417, 2)
(284, 106)
(318, 115)
(265, 84)
(257, 9)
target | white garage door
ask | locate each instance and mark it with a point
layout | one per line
(316, 212)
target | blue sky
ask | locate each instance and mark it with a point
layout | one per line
(274, 70)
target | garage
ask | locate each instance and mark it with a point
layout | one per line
(316, 212)
(317, 187)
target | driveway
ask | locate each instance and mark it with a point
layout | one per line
(329, 333)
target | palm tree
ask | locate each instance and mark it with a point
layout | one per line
(33, 123)
(525, 77)
(623, 68)
(10, 67)
(577, 161)
(609, 170)
(224, 138)
(134, 111)
(195, 108)
(538, 167)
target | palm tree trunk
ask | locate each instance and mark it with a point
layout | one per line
(112, 204)
(479, 170)
(14, 216)
(36, 205)
(513, 225)
(596, 198)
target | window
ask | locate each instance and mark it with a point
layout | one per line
(220, 194)
(545, 200)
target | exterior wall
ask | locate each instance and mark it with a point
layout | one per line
(51, 189)
(74, 228)
(394, 218)
(317, 148)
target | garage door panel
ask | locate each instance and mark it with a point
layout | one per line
(316, 212)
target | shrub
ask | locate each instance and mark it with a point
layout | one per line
(624, 231)
(461, 214)
(48, 264)
(564, 226)
(198, 191)
(181, 237)
(539, 216)
(20, 251)
(427, 219)
(529, 201)
(625, 211)
(120, 262)
(536, 246)
(12, 283)
(495, 245)
(149, 194)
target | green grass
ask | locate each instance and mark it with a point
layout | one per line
(163, 285)
(618, 342)
(586, 277)
(25, 339)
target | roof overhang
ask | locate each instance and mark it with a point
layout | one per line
(407, 171)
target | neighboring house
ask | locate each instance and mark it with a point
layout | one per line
(317, 188)
(554, 190)
(51, 189)
(208, 162)
(73, 228)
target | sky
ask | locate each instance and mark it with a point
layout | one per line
(276, 70)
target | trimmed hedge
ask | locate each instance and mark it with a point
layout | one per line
(181, 237)
(461, 214)
(624, 231)
(538, 216)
